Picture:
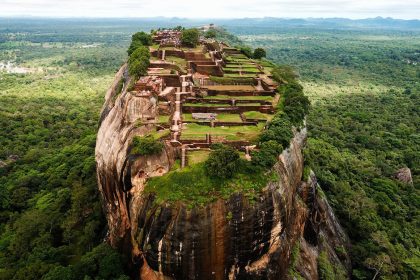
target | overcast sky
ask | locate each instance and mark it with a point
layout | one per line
(404, 9)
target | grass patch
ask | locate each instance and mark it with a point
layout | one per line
(180, 62)
(220, 117)
(243, 80)
(228, 118)
(238, 59)
(227, 97)
(257, 115)
(232, 88)
(155, 46)
(194, 187)
(188, 118)
(163, 119)
(242, 69)
(233, 133)
(159, 71)
(160, 134)
(198, 48)
(239, 55)
(205, 105)
(238, 65)
(167, 48)
(247, 104)
(239, 76)
(266, 63)
(191, 136)
(195, 157)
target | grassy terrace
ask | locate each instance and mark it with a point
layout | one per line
(257, 115)
(239, 66)
(182, 63)
(228, 118)
(238, 60)
(167, 48)
(189, 118)
(199, 48)
(232, 133)
(240, 75)
(205, 105)
(159, 71)
(232, 88)
(160, 134)
(198, 156)
(163, 119)
(241, 69)
(220, 118)
(219, 105)
(236, 65)
(227, 97)
(236, 56)
(226, 80)
(267, 70)
(248, 104)
(194, 157)
(194, 187)
(196, 49)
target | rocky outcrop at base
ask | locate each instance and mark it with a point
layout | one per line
(404, 175)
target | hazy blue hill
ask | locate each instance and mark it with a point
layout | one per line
(156, 22)
(378, 22)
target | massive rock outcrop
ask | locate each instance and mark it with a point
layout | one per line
(280, 234)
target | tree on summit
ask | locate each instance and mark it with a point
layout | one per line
(189, 37)
(210, 34)
(139, 39)
(139, 62)
(142, 37)
(259, 53)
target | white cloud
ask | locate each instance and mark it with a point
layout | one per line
(212, 8)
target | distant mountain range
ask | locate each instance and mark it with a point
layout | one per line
(378, 22)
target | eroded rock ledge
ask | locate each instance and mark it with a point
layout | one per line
(281, 233)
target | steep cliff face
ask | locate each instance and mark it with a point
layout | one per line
(280, 234)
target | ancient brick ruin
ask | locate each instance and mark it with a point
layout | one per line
(212, 79)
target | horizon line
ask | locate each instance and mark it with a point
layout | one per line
(198, 18)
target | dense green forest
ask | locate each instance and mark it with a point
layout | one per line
(364, 125)
(52, 226)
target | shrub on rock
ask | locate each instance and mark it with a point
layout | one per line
(146, 145)
(279, 130)
(222, 162)
(267, 156)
